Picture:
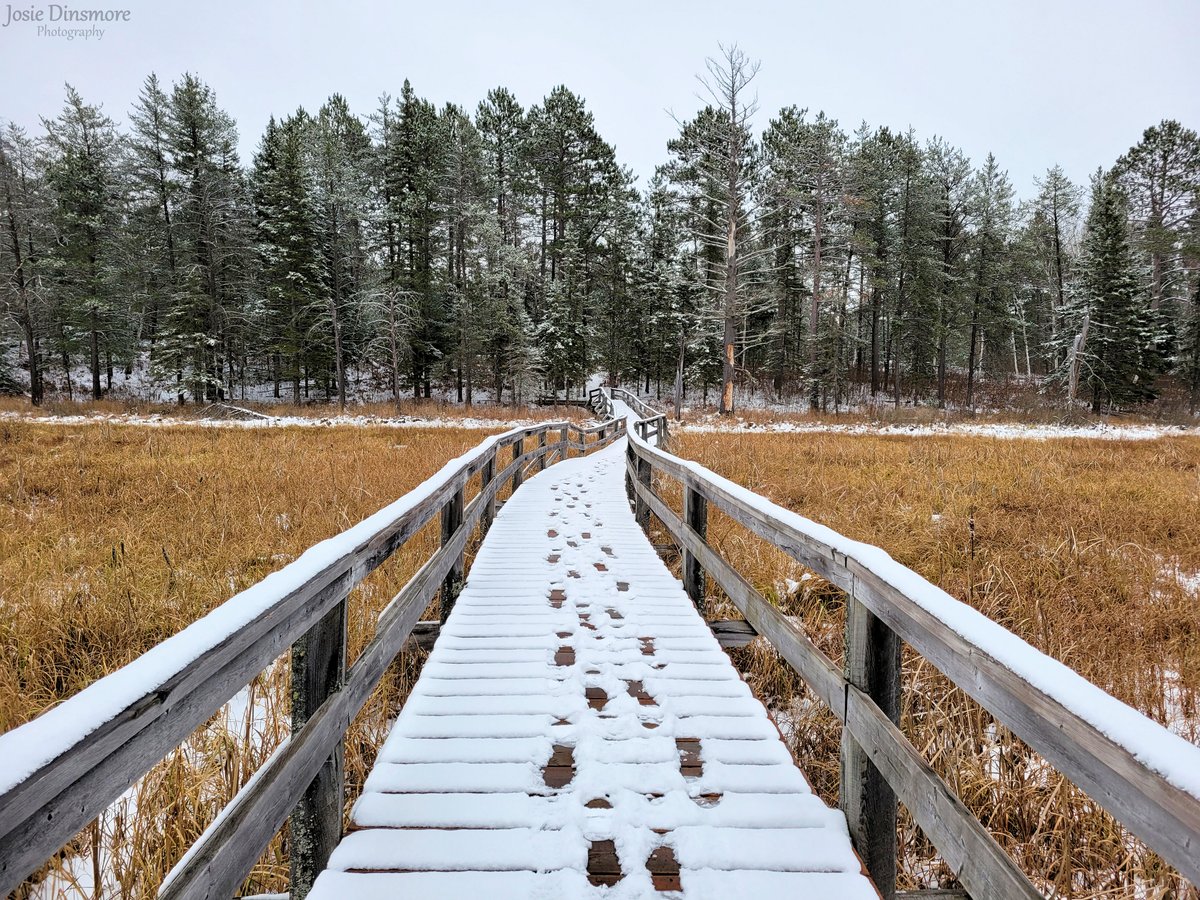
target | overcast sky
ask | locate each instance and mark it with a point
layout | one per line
(1034, 81)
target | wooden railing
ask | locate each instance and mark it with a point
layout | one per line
(1127, 763)
(63, 769)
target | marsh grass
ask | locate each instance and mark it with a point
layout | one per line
(1089, 550)
(113, 538)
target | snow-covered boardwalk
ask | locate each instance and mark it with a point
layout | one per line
(577, 731)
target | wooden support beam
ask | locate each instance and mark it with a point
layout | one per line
(487, 475)
(695, 515)
(541, 460)
(731, 633)
(872, 664)
(452, 518)
(641, 510)
(518, 452)
(318, 671)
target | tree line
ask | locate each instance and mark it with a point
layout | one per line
(504, 252)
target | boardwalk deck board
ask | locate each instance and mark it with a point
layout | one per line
(563, 718)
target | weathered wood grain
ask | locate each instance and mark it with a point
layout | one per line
(871, 664)
(315, 825)
(39, 815)
(968, 848)
(695, 514)
(1162, 815)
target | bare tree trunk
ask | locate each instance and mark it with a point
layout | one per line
(679, 378)
(730, 305)
(814, 317)
(94, 325)
(1077, 347)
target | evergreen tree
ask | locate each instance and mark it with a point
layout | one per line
(952, 189)
(291, 263)
(339, 148)
(84, 174)
(991, 304)
(1119, 354)
(154, 190)
(211, 236)
(25, 209)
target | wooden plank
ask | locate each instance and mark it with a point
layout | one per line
(72, 790)
(452, 514)
(487, 475)
(44, 811)
(968, 848)
(1164, 816)
(641, 510)
(423, 636)
(695, 514)
(871, 664)
(732, 633)
(220, 860)
(315, 825)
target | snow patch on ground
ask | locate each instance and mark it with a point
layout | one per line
(997, 430)
(161, 421)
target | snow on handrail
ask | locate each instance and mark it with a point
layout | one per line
(64, 767)
(1144, 774)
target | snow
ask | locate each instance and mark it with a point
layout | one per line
(464, 762)
(995, 430)
(1163, 752)
(156, 420)
(33, 745)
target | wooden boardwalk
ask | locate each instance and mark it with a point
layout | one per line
(577, 730)
(577, 725)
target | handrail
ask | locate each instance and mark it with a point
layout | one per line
(1140, 772)
(64, 768)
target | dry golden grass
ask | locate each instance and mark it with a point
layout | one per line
(113, 538)
(1083, 548)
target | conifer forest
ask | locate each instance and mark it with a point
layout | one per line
(504, 251)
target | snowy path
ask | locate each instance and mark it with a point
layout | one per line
(578, 732)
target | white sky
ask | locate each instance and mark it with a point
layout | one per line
(1034, 81)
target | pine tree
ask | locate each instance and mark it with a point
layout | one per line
(1161, 177)
(84, 175)
(339, 148)
(806, 163)
(211, 234)
(727, 163)
(990, 298)
(290, 259)
(951, 188)
(154, 190)
(25, 211)
(1119, 361)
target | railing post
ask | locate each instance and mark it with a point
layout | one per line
(564, 437)
(873, 666)
(542, 445)
(318, 671)
(631, 460)
(642, 508)
(487, 476)
(452, 517)
(518, 452)
(695, 516)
